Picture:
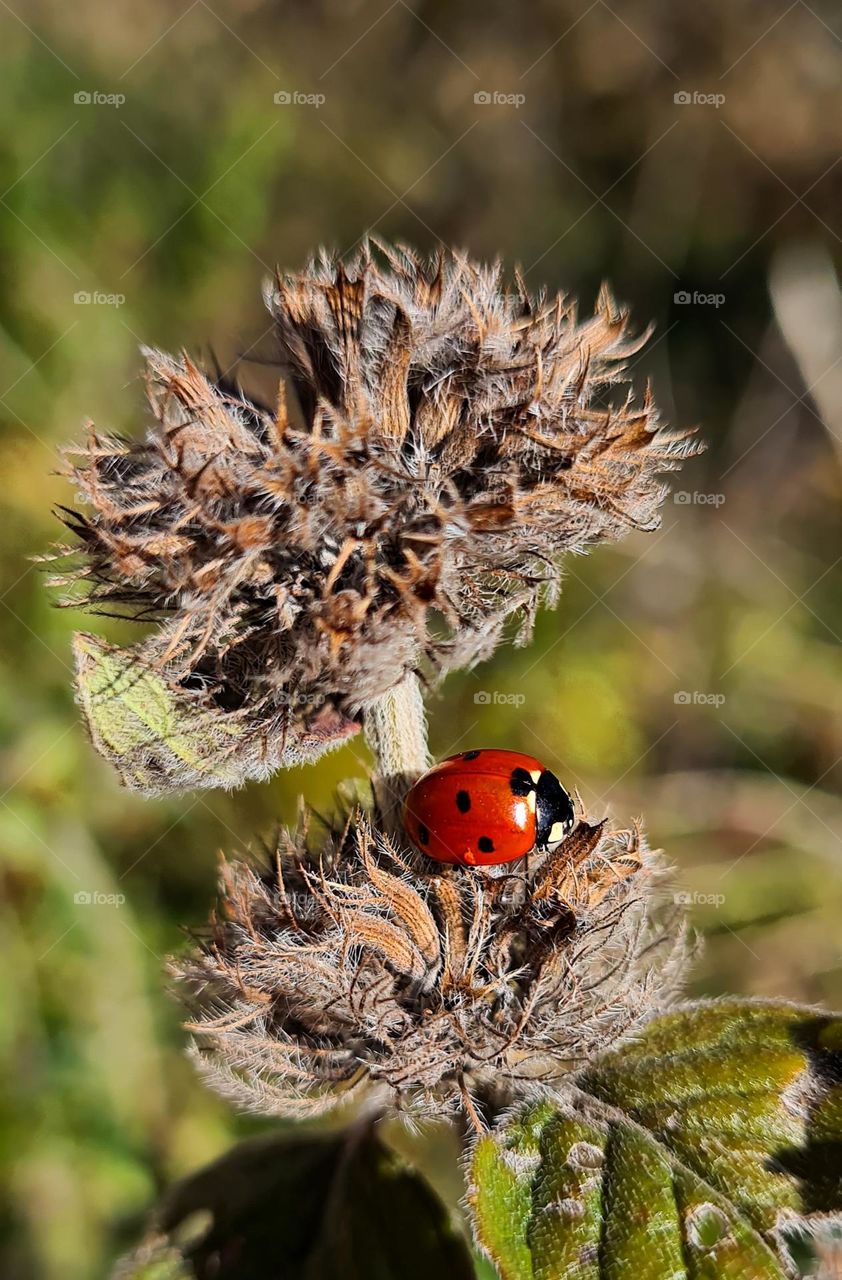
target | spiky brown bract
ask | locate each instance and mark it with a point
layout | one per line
(440, 439)
(368, 973)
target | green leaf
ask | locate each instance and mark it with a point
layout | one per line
(141, 726)
(684, 1153)
(318, 1208)
(747, 1095)
(161, 737)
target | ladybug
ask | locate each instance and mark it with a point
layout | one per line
(480, 808)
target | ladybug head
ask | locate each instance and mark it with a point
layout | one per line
(554, 814)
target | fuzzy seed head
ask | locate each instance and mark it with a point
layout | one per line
(362, 972)
(440, 439)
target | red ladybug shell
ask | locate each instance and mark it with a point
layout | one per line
(486, 807)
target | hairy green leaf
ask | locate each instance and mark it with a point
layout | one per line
(682, 1154)
(140, 725)
(161, 737)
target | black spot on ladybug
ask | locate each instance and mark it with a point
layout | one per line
(521, 783)
(470, 755)
(463, 801)
(423, 833)
(486, 844)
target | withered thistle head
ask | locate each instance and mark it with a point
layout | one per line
(367, 973)
(440, 439)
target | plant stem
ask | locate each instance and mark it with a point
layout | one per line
(396, 731)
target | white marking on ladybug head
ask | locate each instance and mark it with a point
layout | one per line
(557, 833)
(535, 775)
(531, 801)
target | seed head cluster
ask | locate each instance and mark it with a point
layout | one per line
(440, 438)
(362, 972)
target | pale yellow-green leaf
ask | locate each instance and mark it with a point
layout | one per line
(153, 737)
(161, 737)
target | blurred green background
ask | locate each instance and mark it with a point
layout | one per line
(687, 154)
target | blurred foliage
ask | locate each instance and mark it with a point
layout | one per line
(181, 199)
(340, 1207)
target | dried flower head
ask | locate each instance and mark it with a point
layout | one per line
(439, 440)
(368, 973)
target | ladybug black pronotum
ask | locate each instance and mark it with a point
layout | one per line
(485, 807)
